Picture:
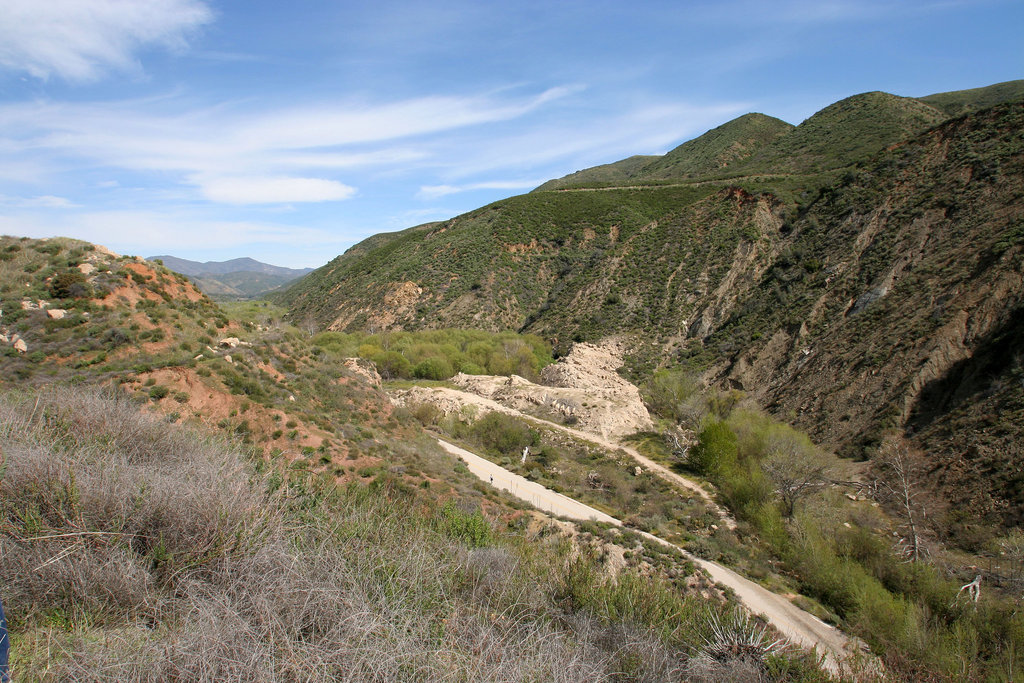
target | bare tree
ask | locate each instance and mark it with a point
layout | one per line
(900, 486)
(310, 326)
(680, 441)
(794, 465)
(973, 590)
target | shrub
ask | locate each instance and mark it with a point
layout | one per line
(503, 433)
(70, 284)
(716, 450)
(392, 365)
(158, 392)
(472, 528)
(433, 368)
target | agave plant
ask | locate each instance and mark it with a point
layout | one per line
(737, 636)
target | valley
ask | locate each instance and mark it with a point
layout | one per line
(686, 417)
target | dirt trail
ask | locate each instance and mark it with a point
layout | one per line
(544, 499)
(794, 623)
(647, 463)
(654, 186)
(583, 386)
(452, 400)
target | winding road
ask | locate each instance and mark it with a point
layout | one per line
(799, 626)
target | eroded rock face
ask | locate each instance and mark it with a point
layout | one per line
(363, 368)
(583, 386)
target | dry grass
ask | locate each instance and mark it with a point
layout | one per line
(137, 550)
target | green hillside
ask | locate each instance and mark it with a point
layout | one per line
(841, 134)
(618, 173)
(717, 149)
(799, 281)
(964, 101)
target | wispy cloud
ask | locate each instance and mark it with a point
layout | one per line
(646, 128)
(276, 155)
(79, 40)
(272, 190)
(431, 192)
(352, 123)
(46, 201)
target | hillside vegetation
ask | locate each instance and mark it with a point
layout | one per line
(137, 551)
(855, 274)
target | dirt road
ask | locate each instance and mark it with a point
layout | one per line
(544, 499)
(645, 462)
(447, 395)
(797, 625)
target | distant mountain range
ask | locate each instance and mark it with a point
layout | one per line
(239, 278)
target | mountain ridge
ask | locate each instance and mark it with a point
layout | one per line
(801, 260)
(235, 278)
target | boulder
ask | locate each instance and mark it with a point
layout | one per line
(56, 313)
(20, 346)
(229, 342)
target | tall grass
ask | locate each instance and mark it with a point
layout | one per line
(137, 550)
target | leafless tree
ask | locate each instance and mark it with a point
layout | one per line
(973, 590)
(795, 466)
(310, 326)
(680, 441)
(900, 486)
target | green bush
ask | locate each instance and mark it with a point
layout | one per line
(158, 392)
(71, 284)
(392, 365)
(503, 433)
(433, 368)
(716, 451)
(472, 528)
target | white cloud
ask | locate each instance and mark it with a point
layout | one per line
(437, 191)
(431, 192)
(145, 232)
(46, 201)
(80, 39)
(353, 123)
(272, 190)
(276, 155)
(644, 129)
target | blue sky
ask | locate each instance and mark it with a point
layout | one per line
(212, 129)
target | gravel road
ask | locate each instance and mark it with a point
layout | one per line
(799, 626)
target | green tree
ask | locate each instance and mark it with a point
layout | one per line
(715, 452)
(392, 365)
